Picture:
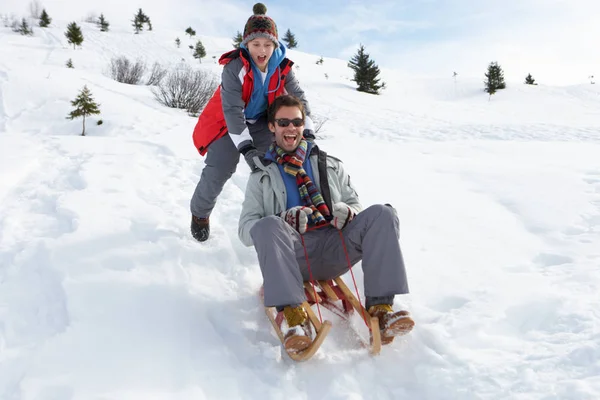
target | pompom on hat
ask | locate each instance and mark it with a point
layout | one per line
(259, 25)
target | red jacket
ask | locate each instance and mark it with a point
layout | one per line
(211, 123)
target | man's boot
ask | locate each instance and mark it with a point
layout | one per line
(200, 228)
(391, 323)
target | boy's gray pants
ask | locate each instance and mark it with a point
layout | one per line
(372, 236)
(221, 161)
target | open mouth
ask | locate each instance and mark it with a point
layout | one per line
(262, 59)
(289, 139)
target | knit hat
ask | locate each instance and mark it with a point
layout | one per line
(259, 25)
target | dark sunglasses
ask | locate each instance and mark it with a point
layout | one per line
(283, 122)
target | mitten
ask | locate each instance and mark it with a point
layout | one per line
(252, 156)
(309, 135)
(297, 217)
(342, 215)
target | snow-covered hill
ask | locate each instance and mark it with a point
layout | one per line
(104, 295)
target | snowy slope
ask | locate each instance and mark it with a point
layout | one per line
(104, 295)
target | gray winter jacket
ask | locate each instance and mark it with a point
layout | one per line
(266, 195)
(233, 105)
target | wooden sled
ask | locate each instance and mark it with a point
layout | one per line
(336, 297)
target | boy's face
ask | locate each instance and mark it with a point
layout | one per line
(261, 49)
(288, 137)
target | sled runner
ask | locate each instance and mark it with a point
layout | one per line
(335, 296)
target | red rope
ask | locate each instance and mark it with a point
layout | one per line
(312, 281)
(362, 309)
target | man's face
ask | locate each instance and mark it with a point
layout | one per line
(261, 49)
(288, 137)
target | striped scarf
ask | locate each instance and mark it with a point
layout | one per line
(309, 193)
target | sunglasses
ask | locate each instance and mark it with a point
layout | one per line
(283, 122)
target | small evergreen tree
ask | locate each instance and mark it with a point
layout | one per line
(69, 63)
(24, 28)
(199, 51)
(84, 106)
(365, 72)
(74, 35)
(290, 39)
(45, 19)
(237, 40)
(320, 61)
(138, 21)
(529, 80)
(178, 42)
(103, 23)
(495, 78)
(190, 31)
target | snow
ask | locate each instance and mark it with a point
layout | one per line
(105, 295)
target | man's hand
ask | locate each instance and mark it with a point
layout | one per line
(297, 217)
(342, 215)
(252, 156)
(309, 135)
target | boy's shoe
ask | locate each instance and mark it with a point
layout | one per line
(391, 323)
(296, 329)
(200, 228)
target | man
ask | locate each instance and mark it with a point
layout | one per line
(288, 198)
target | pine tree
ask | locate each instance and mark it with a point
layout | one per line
(290, 39)
(178, 42)
(69, 63)
(74, 35)
(24, 28)
(190, 31)
(103, 23)
(365, 72)
(495, 79)
(199, 51)
(45, 19)
(529, 80)
(84, 106)
(320, 61)
(237, 40)
(139, 20)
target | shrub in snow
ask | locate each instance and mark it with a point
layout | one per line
(156, 75)
(84, 106)
(124, 71)
(69, 63)
(91, 18)
(319, 121)
(186, 89)
(35, 9)
(100, 122)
